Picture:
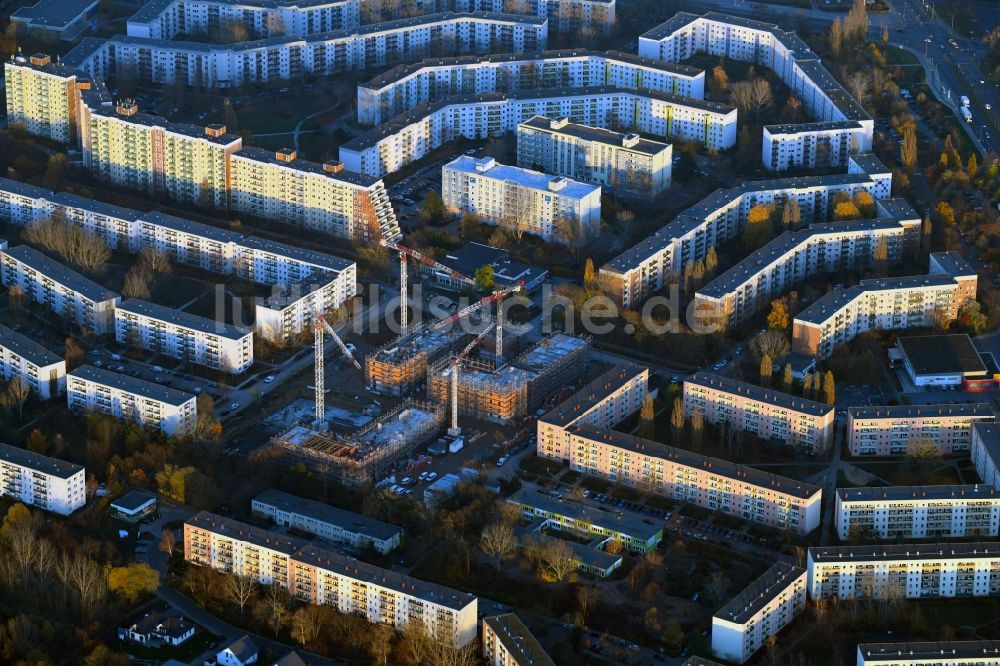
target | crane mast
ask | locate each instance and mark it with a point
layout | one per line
(321, 325)
(456, 363)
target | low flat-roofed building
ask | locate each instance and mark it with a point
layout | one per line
(40, 369)
(133, 506)
(940, 360)
(759, 611)
(762, 412)
(132, 399)
(893, 430)
(327, 522)
(634, 534)
(905, 570)
(65, 19)
(942, 653)
(40, 481)
(985, 452)
(472, 256)
(508, 642)
(918, 512)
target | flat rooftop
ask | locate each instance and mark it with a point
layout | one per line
(239, 531)
(818, 312)
(487, 167)
(37, 462)
(348, 520)
(59, 273)
(987, 433)
(134, 385)
(979, 410)
(190, 227)
(257, 154)
(952, 263)
(942, 355)
(972, 492)
(931, 653)
(27, 348)
(596, 134)
(741, 473)
(608, 520)
(182, 319)
(518, 640)
(759, 394)
(749, 601)
(300, 255)
(905, 551)
(591, 395)
(549, 351)
(471, 256)
(133, 500)
(425, 340)
(54, 14)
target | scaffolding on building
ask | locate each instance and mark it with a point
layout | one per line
(397, 367)
(367, 455)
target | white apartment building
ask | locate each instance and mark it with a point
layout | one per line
(322, 197)
(166, 19)
(42, 96)
(269, 262)
(918, 512)
(554, 208)
(763, 413)
(582, 16)
(508, 642)
(40, 481)
(885, 304)
(405, 87)
(749, 286)
(759, 611)
(655, 262)
(623, 163)
(291, 309)
(188, 242)
(944, 653)
(327, 522)
(410, 136)
(147, 153)
(296, 57)
(838, 127)
(183, 336)
(893, 430)
(324, 577)
(128, 398)
(985, 452)
(905, 571)
(40, 369)
(579, 432)
(62, 290)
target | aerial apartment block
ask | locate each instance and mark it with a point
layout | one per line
(942, 653)
(187, 242)
(296, 57)
(269, 262)
(580, 16)
(761, 412)
(43, 371)
(565, 515)
(508, 642)
(655, 262)
(43, 96)
(625, 164)
(905, 571)
(407, 86)
(128, 398)
(838, 127)
(324, 577)
(63, 291)
(895, 430)
(918, 512)
(758, 612)
(278, 185)
(985, 452)
(578, 431)
(414, 134)
(326, 522)
(886, 304)
(40, 481)
(181, 335)
(554, 208)
(794, 256)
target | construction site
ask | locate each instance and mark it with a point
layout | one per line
(484, 392)
(369, 454)
(398, 367)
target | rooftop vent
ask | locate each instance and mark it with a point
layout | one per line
(630, 140)
(215, 130)
(41, 59)
(127, 107)
(333, 166)
(558, 123)
(285, 155)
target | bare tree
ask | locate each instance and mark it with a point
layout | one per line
(16, 395)
(416, 641)
(136, 284)
(306, 624)
(498, 541)
(771, 343)
(555, 559)
(240, 589)
(752, 96)
(277, 603)
(717, 588)
(167, 542)
(75, 244)
(859, 83)
(155, 261)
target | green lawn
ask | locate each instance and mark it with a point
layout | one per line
(280, 114)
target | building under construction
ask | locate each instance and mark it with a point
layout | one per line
(399, 366)
(369, 454)
(500, 396)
